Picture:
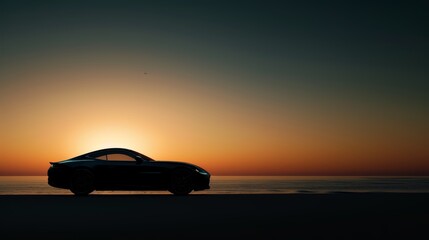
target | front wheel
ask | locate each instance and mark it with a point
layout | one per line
(181, 182)
(82, 182)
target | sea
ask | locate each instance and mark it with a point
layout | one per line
(37, 185)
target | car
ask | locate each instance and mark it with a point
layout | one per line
(125, 169)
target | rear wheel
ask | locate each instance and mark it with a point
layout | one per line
(82, 182)
(181, 182)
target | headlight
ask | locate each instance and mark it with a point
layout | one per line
(200, 171)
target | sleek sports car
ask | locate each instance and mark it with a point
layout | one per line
(124, 169)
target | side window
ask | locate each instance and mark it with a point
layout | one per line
(119, 157)
(102, 157)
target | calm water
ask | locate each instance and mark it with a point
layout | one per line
(246, 185)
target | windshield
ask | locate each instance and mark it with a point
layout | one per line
(143, 157)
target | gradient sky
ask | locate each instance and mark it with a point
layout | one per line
(239, 88)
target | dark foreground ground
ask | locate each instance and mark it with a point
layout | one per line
(290, 216)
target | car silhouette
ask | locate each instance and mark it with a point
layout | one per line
(124, 169)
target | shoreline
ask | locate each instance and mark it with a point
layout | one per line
(209, 216)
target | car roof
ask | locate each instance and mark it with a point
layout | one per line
(111, 151)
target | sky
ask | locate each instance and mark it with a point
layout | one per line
(236, 87)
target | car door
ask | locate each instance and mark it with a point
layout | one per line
(149, 175)
(122, 171)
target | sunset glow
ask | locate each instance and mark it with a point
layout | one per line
(225, 99)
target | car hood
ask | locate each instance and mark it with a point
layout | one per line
(176, 163)
(181, 163)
